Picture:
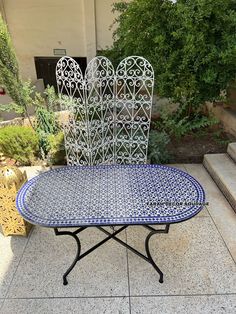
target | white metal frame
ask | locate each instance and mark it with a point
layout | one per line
(109, 111)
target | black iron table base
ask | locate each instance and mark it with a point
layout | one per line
(112, 235)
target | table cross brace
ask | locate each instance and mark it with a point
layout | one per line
(112, 235)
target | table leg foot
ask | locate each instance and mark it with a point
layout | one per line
(65, 282)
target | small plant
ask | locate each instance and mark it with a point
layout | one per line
(219, 138)
(46, 124)
(52, 99)
(157, 151)
(19, 143)
(176, 125)
(46, 121)
(56, 154)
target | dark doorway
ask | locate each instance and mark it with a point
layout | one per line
(46, 67)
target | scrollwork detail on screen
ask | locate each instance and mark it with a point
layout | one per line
(109, 111)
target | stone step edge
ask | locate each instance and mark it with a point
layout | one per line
(231, 151)
(224, 189)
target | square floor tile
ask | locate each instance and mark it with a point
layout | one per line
(67, 305)
(178, 166)
(11, 249)
(218, 304)
(219, 208)
(47, 257)
(193, 258)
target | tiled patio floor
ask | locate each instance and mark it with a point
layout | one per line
(197, 258)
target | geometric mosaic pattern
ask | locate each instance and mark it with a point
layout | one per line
(110, 195)
(11, 221)
(109, 111)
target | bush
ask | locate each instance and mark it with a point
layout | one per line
(157, 152)
(56, 154)
(20, 143)
(191, 45)
(178, 127)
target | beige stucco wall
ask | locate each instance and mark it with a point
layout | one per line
(104, 19)
(89, 28)
(39, 26)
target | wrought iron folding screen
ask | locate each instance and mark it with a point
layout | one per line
(109, 111)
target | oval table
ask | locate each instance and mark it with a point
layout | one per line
(110, 195)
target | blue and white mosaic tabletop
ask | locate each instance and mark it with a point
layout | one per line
(110, 195)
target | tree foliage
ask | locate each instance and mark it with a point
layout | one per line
(10, 79)
(191, 45)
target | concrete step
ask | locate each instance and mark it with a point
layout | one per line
(223, 170)
(231, 150)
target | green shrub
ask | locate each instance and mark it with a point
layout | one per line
(177, 126)
(20, 143)
(56, 154)
(157, 151)
(46, 121)
(190, 44)
(46, 124)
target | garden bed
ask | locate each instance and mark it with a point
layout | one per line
(191, 148)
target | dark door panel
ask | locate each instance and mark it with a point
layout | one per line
(46, 67)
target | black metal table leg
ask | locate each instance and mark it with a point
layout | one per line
(74, 235)
(151, 261)
(150, 257)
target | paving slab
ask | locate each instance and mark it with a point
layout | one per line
(11, 250)
(67, 305)
(223, 170)
(192, 256)
(220, 210)
(33, 171)
(218, 304)
(231, 150)
(47, 257)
